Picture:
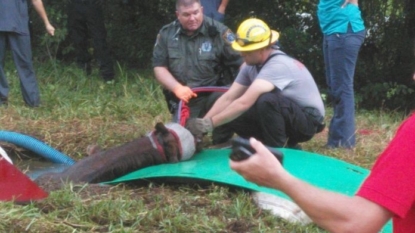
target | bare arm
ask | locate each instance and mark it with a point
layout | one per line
(241, 104)
(222, 6)
(234, 92)
(332, 211)
(40, 9)
(165, 78)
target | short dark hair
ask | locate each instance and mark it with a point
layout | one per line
(180, 3)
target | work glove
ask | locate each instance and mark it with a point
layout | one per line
(183, 93)
(199, 126)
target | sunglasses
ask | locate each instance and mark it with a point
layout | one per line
(244, 42)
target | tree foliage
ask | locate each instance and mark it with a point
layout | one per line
(386, 61)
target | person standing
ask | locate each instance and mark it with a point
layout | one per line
(215, 9)
(86, 19)
(193, 52)
(14, 31)
(344, 32)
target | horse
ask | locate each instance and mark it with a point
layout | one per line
(168, 143)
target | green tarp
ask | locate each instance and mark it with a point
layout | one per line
(213, 165)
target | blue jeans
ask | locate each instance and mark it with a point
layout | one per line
(340, 56)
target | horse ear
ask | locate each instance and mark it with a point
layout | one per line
(160, 127)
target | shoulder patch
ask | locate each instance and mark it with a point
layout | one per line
(168, 26)
(228, 36)
(157, 39)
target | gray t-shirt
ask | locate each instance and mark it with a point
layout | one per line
(290, 76)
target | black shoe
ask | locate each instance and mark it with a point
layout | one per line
(4, 101)
(295, 147)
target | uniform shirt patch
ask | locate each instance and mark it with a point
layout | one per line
(229, 36)
(206, 47)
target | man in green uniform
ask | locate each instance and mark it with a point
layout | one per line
(195, 52)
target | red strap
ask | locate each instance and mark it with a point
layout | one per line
(184, 114)
(184, 110)
(155, 142)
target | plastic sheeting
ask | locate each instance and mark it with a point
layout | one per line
(213, 165)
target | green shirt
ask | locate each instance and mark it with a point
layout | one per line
(195, 60)
(334, 18)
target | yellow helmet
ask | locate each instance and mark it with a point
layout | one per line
(254, 34)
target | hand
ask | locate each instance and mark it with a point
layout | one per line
(199, 143)
(413, 77)
(355, 2)
(199, 126)
(261, 168)
(50, 29)
(183, 93)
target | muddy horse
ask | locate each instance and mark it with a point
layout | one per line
(168, 143)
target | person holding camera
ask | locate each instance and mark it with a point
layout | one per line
(274, 98)
(388, 192)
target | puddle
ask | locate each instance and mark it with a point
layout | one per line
(34, 167)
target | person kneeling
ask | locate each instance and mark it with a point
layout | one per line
(274, 98)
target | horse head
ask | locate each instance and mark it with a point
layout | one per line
(175, 141)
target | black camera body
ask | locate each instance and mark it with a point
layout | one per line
(242, 149)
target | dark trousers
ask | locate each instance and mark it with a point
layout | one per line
(201, 106)
(22, 56)
(198, 108)
(276, 121)
(86, 20)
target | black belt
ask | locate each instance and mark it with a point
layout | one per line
(314, 115)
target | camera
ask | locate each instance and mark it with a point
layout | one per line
(242, 149)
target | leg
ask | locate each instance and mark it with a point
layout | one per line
(341, 52)
(200, 106)
(4, 86)
(276, 121)
(222, 133)
(78, 32)
(22, 56)
(99, 34)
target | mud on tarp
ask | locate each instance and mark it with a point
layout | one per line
(213, 165)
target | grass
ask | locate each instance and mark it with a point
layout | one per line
(77, 111)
